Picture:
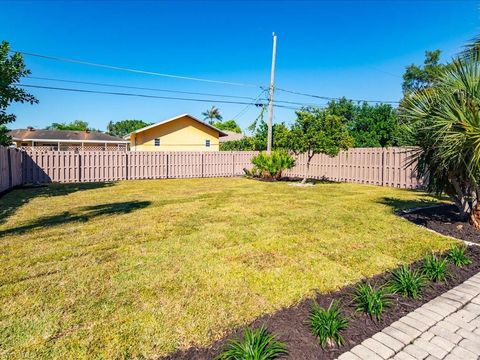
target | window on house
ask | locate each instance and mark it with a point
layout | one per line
(157, 142)
(207, 143)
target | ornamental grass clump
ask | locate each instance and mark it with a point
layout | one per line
(371, 300)
(271, 166)
(327, 324)
(256, 345)
(434, 268)
(407, 282)
(456, 255)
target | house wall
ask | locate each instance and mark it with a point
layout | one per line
(183, 134)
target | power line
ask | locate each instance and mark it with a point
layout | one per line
(336, 98)
(133, 94)
(241, 112)
(137, 71)
(138, 88)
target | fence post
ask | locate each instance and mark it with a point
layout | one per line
(383, 166)
(9, 164)
(79, 166)
(126, 166)
(233, 164)
(168, 165)
(202, 163)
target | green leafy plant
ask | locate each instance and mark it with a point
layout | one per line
(407, 282)
(371, 300)
(272, 165)
(456, 255)
(434, 268)
(327, 324)
(256, 345)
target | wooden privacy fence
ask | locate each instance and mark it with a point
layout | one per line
(376, 166)
(98, 166)
(10, 168)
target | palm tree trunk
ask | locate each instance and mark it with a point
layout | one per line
(475, 213)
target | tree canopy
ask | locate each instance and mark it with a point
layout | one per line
(212, 114)
(12, 69)
(423, 76)
(229, 125)
(369, 125)
(77, 125)
(125, 127)
(317, 131)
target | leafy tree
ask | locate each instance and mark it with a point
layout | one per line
(374, 126)
(5, 139)
(12, 69)
(77, 125)
(125, 127)
(446, 117)
(258, 142)
(370, 125)
(317, 131)
(229, 125)
(422, 77)
(212, 114)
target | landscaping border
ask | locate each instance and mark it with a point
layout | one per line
(289, 324)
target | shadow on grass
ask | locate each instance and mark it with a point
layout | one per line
(399, 205)
(82, 214)
(15, 199)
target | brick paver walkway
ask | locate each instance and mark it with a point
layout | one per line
(447, 327)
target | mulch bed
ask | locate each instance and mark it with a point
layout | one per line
(289, 324)
(445, 220)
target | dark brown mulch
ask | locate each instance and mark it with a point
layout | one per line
(289, 323)
(446, 220)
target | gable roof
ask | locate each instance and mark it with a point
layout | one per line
(220, 132)
(232, 135)
(63, 135)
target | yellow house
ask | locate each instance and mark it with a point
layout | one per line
(181, 133)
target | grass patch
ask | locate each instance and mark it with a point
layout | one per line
(456, 255)
(407, 282)
(141, 268)
(371, 300)
(434, 268)
(327, 324)
(256, 345)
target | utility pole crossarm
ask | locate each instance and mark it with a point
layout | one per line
(270, 98)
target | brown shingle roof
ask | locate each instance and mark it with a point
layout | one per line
(62, 135)
(231, 135)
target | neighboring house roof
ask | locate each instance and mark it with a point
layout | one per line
(64, 136)
(232, 135)
(220, 132)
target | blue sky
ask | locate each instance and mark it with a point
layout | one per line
(357, 49)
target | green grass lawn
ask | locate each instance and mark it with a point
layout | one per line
(141, 268)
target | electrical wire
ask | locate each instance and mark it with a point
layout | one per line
(139, 88)
(137, 71)
(133, 94)
(336, 98)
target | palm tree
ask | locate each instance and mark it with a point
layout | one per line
(212, 114)
(447, 119)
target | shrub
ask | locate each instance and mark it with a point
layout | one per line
(407, 282)
(370, 300)
(326, 324)
(272, 165)
(434, 268)
(256, 345)
(456, 255)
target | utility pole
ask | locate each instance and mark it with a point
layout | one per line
(270, 98)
